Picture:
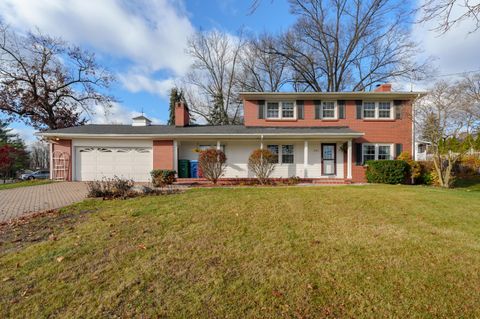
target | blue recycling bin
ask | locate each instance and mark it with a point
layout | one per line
(194, 169)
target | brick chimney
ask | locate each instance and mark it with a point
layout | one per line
(182, 116)
(385, 87)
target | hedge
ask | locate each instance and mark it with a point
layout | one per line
(387, 171)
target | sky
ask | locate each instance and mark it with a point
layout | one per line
(143, 42)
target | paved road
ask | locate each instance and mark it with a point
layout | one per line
(17, 202)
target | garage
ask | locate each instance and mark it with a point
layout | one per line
(95, 163)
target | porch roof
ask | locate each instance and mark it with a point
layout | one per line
(197, 131)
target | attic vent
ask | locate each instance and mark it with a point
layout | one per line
(141, 121)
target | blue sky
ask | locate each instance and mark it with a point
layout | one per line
(142, 42)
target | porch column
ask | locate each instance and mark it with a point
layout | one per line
(305, 159)
(175, 156)
(349, 159)
(50, 145)
(218, 145)
(261, 142)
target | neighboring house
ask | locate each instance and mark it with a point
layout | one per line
(315, 135)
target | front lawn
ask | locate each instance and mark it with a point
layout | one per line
(25, 183)
(469, 184)
(296, 252)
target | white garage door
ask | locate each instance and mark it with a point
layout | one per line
(95, 163)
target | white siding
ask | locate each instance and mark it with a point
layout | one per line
(237, 153)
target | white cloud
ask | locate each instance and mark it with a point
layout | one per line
(152, 34)
(117, 114)
(26, 133)
(455, 51)
(137, 82)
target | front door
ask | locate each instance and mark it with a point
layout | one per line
(328, 159)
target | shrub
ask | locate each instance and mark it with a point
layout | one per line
(294, 180)
(261, 162)
(212, 162)
(414, 167)
(387, 171)
(110, 188)
(162, 177)
(428, 174)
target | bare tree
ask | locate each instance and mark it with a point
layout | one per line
(446, 121)
(210, 87)
(340, 45)
(261, 71)
(47, 83)
(449, 13)
(39, 155)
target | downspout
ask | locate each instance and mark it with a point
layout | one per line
(414, 139)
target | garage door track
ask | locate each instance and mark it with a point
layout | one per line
(17, 202)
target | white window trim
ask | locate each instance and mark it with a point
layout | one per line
(392, 149)
(280, 113)
(377, 112)
(335, 111)
(280, 153)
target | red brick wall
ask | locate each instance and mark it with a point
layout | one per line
(182, 116)
(66, 147)
(163, 154)
(376, 131)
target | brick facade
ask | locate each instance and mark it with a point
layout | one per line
(64, 146)
(394, 131)
(163, 154)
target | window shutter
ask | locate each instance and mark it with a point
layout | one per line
(398, 109)
(359, 109)
(341, 109)
(398, 149)
(317, 109)
(358, 154)
(261, 109)
(300, 110)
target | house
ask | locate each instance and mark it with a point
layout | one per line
(326, 135)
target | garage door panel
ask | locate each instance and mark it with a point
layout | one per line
(96, 163)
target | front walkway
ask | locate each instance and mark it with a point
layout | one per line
(15, 203)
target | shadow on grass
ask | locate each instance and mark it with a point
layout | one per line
(471, 183)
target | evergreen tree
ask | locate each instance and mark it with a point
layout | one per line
(176, 95)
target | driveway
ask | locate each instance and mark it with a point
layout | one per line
(17, 202)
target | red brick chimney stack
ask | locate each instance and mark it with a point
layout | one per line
(182, 116)
(385, 87)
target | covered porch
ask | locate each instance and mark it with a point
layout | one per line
(311, 158)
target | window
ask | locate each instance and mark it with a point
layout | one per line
(384, 110)
(281, 110)
(287, 154)
(328, 110)
(369, 110)
(272, 110)
(287, 110)
(377, 110)
(377, 152)
(274, 150)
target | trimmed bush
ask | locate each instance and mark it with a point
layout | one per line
(262, 163)
(387, 171)
(212, 162)
(162, 177)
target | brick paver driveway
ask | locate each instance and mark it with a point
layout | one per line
(19, 201)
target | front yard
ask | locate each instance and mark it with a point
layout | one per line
(302, 252)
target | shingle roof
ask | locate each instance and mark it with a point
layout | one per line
(109, 129)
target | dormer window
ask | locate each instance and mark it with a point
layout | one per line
(283, 110)
(377, 110)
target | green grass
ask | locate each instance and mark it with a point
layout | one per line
(302, 252)
(25, 183)
(469, 184)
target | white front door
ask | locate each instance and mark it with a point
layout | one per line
(95, 163)
(328, 159)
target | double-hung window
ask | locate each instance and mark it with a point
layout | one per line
(284, 110)
(328, 110)
(377, 110)
(377, 152)
(274, 150)
(283, 154)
